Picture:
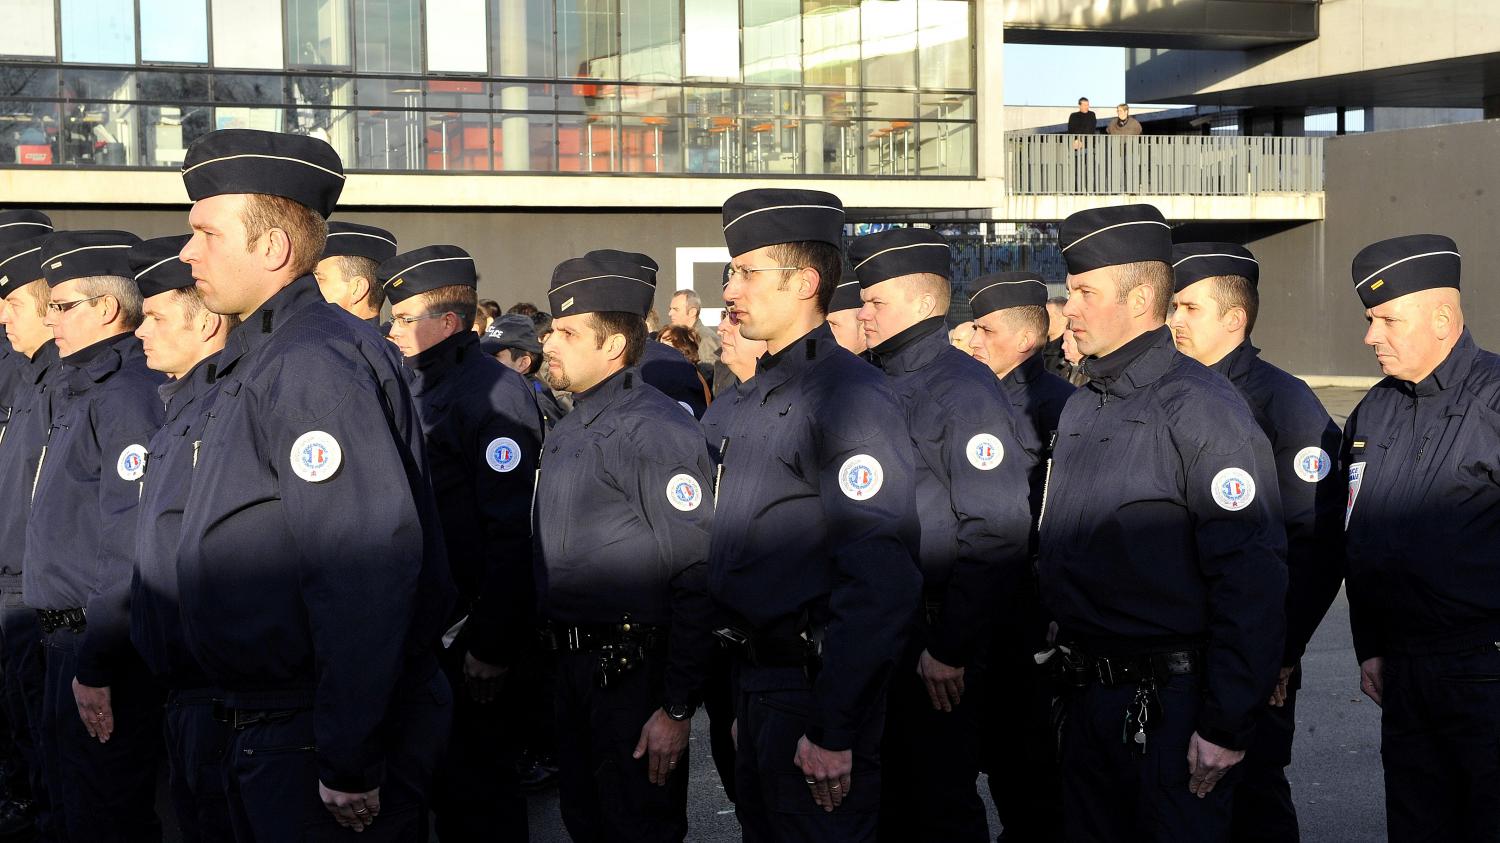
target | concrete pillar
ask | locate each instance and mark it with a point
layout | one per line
(515, 129)
(989, 85)
(1491, 106)
(812, 147)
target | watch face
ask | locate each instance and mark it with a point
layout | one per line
(678, 712)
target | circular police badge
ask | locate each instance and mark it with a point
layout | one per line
(686, 406)
(316, 456)
(132, 462)
(861, 476)
(1233, 489)
(985, 452)
(503, 454)
(684, 493)
(1312, 464)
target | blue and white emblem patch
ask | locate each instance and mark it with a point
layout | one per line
(1312, 464)
(316, 456)
(1233, 489)
(132, 462)
(684, 492)
(860, 477)
(503, 454)
(985, 452)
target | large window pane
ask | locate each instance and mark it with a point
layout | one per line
(947, 149)
(317, 33)
(247, 33)
(29, 30)
(523, 37)
(830, 42)
(322, 111)
(773, 41)
(170, 130)
(389, 140)
(239, 87)
(588, 143)
(389, 36)
(100, 135)
(98, 31)
(712, 30)
(19, 80)
(651, 144)
(943, 43)
(458, 141)
(888, 33)
(650, 34)
(238, 117)
(525, 142)
(89, 84)
(29, 133)
(587, 45)
(457, 37)
(174, 31)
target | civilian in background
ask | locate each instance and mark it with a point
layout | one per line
(1123, 124)
(1082, 122)
(687, 312)
(687, 341)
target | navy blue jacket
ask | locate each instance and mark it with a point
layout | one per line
(483, 434)
(1305, 443)
(817, 515)
(1037, 397)
(80, 541)
(20, 447)
(13, 371)
(624, 487)
(311, 563)
(665, 368)
(552, 411)
(1161, 528)
(972, 482)
(155, 621)
(1423, 509)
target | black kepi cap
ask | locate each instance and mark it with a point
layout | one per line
(23, 224)
(297, 167)
(1002, 290)
(589, 285)
(845, 297)
(1112, 236)
(83, 254)
(20, 263)
(898, 252)
(1399, 266)
(771, 216)
(155, 267)
(426, 269)
(1193, 262)
(350, 239)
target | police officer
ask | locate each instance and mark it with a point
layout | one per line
(346, 273)
(821, 605)
(1422, 521)
(971, 477)
(19, 226)
(843, 313)
(624, 489)
(1161, 554)
(23, 312)
(1010, 333)
(1214, 311)
(511, 339)
(483, 435)
(181, 339)
(313, 582)
(101, 715)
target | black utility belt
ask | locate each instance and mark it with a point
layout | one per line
(802, 650)
(240, 719)
(602, 637)
(52, 620)
(1079, 669)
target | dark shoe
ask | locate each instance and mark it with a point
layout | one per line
(536, 775)
(16, 823)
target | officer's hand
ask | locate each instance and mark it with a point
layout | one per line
(354, 811)
(944, 684)
(482, 678)
(665, 739)
(826, 772)
(1372, 678)
(94, 710)
(1207, 763)
(1278, 694)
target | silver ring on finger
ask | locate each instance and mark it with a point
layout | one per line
(811, 781)
(361, 810)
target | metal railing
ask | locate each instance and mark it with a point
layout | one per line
(1163, 165)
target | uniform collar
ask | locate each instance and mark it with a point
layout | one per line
(180, 392)
(43, 361)
(1454, 368)
(1236, 364)
(1027, 370)
(432, 364)
(1133, 365)
(911, 349)
(591, 404)
(773, 370)
(268, 318)
(97, 362)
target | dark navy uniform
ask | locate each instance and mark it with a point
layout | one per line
(1167, 580)
(1304, 442)
(309, 520)
(971, 477)
(1423, 519)
(518, 333)
(624, 486)
(483, 436)
(80, 545)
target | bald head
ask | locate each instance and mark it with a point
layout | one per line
(1413, 334)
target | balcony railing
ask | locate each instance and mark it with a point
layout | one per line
(1163, 165)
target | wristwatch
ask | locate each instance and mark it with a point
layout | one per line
(678, 712)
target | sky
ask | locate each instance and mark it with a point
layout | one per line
(1038, 74)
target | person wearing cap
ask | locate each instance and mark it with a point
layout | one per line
(101, 718)
(1010, 331)
(624, 510)
(1214, 310)
(843, 313)
(346, 273)
(23, 312)
(18, 226)
(1161, 554)
(279, 584)
(483, 434)
(971, 477)
(819, 608)
(1422, 520)
(181, 339)
(512, 341)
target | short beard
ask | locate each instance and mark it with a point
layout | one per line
(558, 381)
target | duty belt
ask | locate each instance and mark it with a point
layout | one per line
(594, 638)
(778, 647)
(52, 620)
(1081, 669)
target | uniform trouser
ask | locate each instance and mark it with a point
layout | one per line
(774, 801)
(1113, 793)
(105, 791)
(24, 679)
(476, 795)
(271, 773)
(718, 704)
(1263, 809)
(1020, 752)
(603, 793)
(196, 742)
(1440, 743)
(930, 764)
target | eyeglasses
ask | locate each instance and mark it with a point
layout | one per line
(408, 321)
(65, 306)
(743, 272)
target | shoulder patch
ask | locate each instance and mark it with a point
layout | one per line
(316, 456)
(1356, 477)
(132, 462)
(1233, 489)
(503, 454)
(860, 477)
(684, 492)
(1312, 464)
(985, 451)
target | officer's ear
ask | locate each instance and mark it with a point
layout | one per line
(614, 346)
(1444, 319)
(359, 289)
(275, 248)
(1234, 319)
(808, 281)
(109, 309)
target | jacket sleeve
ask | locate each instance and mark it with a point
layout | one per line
(1312, 502)
(1364, 622)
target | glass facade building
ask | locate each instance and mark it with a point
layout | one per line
(853, 88)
